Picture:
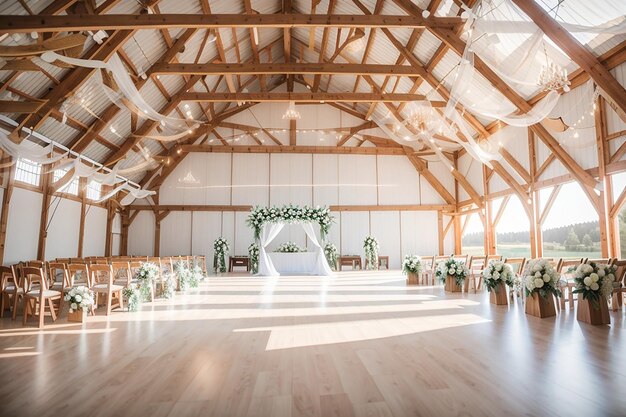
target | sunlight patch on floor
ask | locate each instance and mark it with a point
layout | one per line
(301, 335)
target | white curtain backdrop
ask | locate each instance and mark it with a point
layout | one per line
(268, 233)
(322, 267)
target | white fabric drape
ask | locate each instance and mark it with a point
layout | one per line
(30, 151)
(322, 267)
(268, 233)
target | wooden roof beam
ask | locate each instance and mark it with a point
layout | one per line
(305, 97)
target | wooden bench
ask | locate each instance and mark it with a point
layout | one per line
(352, 260)
(238, 261)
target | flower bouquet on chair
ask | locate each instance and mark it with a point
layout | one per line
(146, 278)
(81, 300)
(496, 277)
(412, 267)
(594, 286)
(452, 273)
(541, 284)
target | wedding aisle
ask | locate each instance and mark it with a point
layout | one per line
(356, 344)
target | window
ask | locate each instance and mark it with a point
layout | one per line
(27, 171)
(568, 232)
(94, 190)
(71, 187)
(472, 238)
(513, 229)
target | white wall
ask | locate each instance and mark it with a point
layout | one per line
(95, 231)
(276, 179)
(22, 226)
(63, 228)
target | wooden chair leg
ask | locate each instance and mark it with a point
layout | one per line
(42, 312)
(26, 310)
(571, 297)
(121, 299)
(109, 300)
(52, 312)
(16, 297)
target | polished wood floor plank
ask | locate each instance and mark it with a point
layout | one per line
(361, 343)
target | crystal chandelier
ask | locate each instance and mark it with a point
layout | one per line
(553, 77)
(421, 116)
(291, 113)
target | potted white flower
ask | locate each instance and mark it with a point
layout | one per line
(81, 300)
(412, 267)
(221, 247)
(253, 253)
(496, 277)
(594, 286)
(452, 273)
(331, 253)
(541, 281)
(371, 252)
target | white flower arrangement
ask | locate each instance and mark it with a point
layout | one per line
(221, 247)
(168, 287)
(184, 275)
(412, 264)
(498, 272)
(253, 253)
(290, 214)
(133, 297)
(80, 298)
(452, 268)
(594, 281)
(289, 247)
(542, 278)
(370, 244)
(332, 254)
(146, 276)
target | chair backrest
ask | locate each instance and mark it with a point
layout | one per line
(600, 261)
(98, 260)
(77, 261)
(57, 272)
(462, 258)
(492, 258)
(134, 266)
(77, 274)
(121, 272)
(35, 263)
(620, 273)
(427, 261)
(201, 261)
(517, 264)
(568, 263)
(6, 277)
(166, 266)
(101, 274)
(477, 262)
(33, 278)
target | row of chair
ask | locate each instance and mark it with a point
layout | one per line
(477, 263)
(41, 285)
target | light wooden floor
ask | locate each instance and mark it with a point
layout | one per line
(358, 344)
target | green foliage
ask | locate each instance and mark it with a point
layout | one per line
(572, 240)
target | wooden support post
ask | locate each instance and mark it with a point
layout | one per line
(440, 232)
(109, 231)
(43, 220)
(292, 133)
(603, 199)
(536, 235)
(458, 227)
(82, 192)
(489, 230)
(124, 231)
(4, 216)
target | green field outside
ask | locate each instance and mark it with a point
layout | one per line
(516, 251)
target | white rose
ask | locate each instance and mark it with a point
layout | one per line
(451, 271)
(594, 286)
(73, 306)
(78, 298)
(496, 275)
(546, 278)
(537, 274)
(587, 281)
(594, 277)
(601, 273)
(538, 282)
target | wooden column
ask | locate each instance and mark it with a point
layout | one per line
(82, 192)
(292, 132)
(604, 202)
(109, 231)
(458, 228)
(4, 216)
(440, 231)
(489, 235)
(126, 221)
(45, 205)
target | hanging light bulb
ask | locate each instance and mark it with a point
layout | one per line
(291, 113)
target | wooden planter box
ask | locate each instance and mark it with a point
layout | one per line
(498, 295)
(412, 279)
(587, 313)
(541, 307)
(78, 316)
(451, 285)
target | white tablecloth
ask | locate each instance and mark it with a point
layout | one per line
(300, 263)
